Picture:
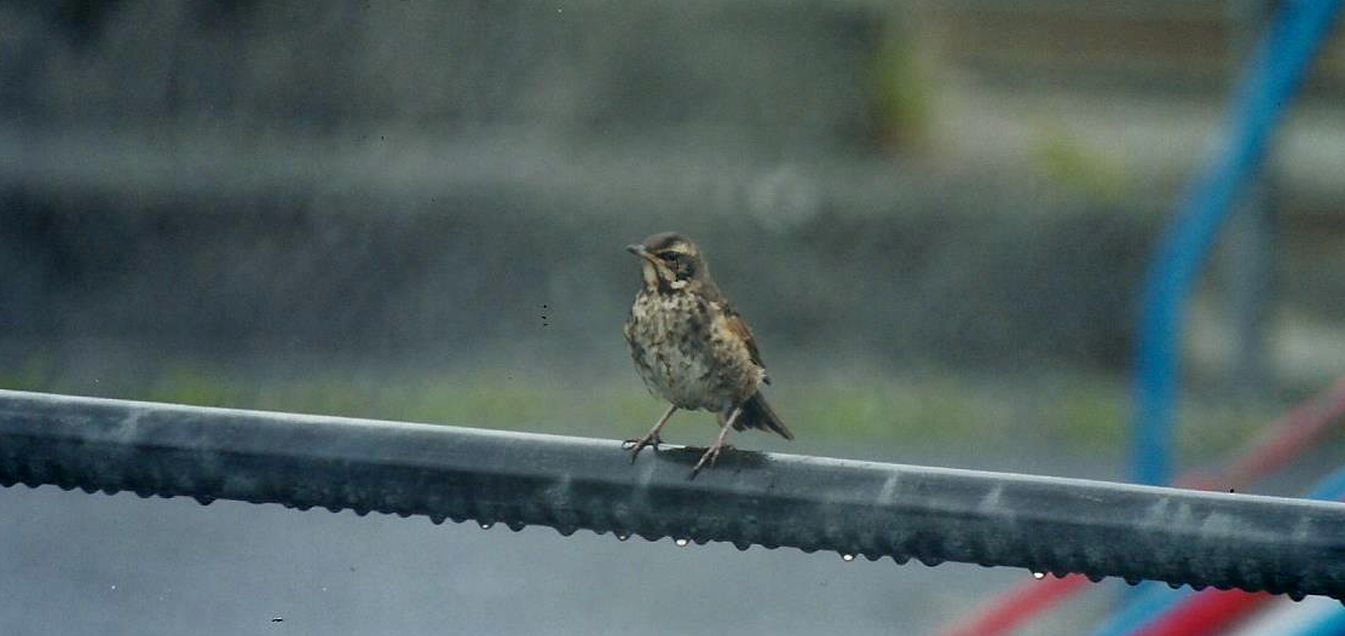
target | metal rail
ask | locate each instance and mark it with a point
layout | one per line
(854, 508)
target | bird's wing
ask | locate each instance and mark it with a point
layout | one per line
(738, 327)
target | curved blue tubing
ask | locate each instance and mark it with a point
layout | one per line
(1268, 85)
(1155, 599)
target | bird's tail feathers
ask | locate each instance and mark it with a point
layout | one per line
(757, 413)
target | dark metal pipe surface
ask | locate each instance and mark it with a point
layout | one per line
(1045, 524)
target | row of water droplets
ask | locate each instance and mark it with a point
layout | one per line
(682, 542)
(622, 535)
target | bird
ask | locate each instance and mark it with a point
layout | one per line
(691, 348)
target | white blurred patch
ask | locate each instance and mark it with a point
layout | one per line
(783, 198)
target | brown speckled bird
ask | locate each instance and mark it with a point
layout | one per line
(691, 348)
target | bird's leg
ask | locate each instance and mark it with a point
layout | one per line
(712, 453)
(651, 438)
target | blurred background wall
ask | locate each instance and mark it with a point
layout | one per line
(240, 191)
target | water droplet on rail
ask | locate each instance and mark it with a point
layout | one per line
(847, 557)
(1039, 575)
(622, 536)
(682, 543)
(486, 525)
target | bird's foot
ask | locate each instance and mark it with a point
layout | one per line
(637, 445)
(711, 455)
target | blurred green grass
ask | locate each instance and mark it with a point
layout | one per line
(1084, 416)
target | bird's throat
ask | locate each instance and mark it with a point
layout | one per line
(651, 280)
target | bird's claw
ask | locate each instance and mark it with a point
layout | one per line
(711, 455)
(637, 445)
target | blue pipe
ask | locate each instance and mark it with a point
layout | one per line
(1332, 625)
(1278, 65)
(1151, 601)
(1154, 600)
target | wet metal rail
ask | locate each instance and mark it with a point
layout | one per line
(854, 508)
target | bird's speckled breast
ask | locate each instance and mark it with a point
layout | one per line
(676, 342)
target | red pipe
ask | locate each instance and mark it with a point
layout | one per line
(1209, 612)
(1016, 606)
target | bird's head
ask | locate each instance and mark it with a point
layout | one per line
(670, 262)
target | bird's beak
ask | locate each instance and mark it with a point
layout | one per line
(639, 250)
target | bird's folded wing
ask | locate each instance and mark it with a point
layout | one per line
(738, 327)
